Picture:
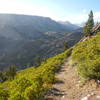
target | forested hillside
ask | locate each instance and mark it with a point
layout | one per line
(27, 40)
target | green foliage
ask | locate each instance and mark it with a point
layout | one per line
(98, 33)
(22, 84)
(3, 76)
(66, 46)
(87, 30)
(11, 72)
(17, 96)
(36, 90)
(17, 93)
(38, 61)
(3, 94)
(87, 56)
(8, 74)
(33, 83)
(89, 25)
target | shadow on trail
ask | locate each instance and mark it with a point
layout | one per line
(54, 92)
(57, 92)
(59, 82)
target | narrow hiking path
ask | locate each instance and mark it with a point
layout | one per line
(69, 87)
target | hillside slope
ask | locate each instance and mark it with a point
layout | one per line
(77, 82)
(33, 83)
(59, 78)
(24, 38)
(70, 87)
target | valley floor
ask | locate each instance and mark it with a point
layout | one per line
(69, 87)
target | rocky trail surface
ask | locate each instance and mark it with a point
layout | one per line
(69, 87)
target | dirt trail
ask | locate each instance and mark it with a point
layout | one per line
(69, 87)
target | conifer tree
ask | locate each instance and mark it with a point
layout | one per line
(66, 46)
(11, 72)
(89, 24)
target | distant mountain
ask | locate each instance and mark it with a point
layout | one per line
(81, 24)
(69, 25)
(24, 38)
(23, 26)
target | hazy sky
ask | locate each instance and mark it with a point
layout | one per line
(75, 11)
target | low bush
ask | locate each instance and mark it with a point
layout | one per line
(33, 83)
(87, 56)
(3, 93)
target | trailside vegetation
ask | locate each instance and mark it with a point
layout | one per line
(33, 83)
(87, 56)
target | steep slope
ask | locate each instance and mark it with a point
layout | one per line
(23, 53)
(69, 86)
(77, 82)
(24, 38)
(33, 83)
(58, 77)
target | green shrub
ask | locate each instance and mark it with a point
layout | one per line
(3, 76)
(3, 93)
(32, 83)
(11, 72)
(87, 56)
(36, 90)
(17, 96)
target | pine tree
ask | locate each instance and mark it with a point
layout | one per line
(38, 61)
(11, 72)
(66, 46)
(89, 25)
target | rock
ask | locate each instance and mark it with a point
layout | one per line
(98, 97)
(63, 96)
(92, 94)
(85, 98)
(88, 95)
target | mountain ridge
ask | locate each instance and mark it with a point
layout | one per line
(67, 23)
(23, 24)
(41, 36)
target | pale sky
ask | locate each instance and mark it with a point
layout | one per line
(75, 11)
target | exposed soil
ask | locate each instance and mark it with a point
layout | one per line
(69, 87)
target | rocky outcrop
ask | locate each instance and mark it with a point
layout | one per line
(96, 28)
